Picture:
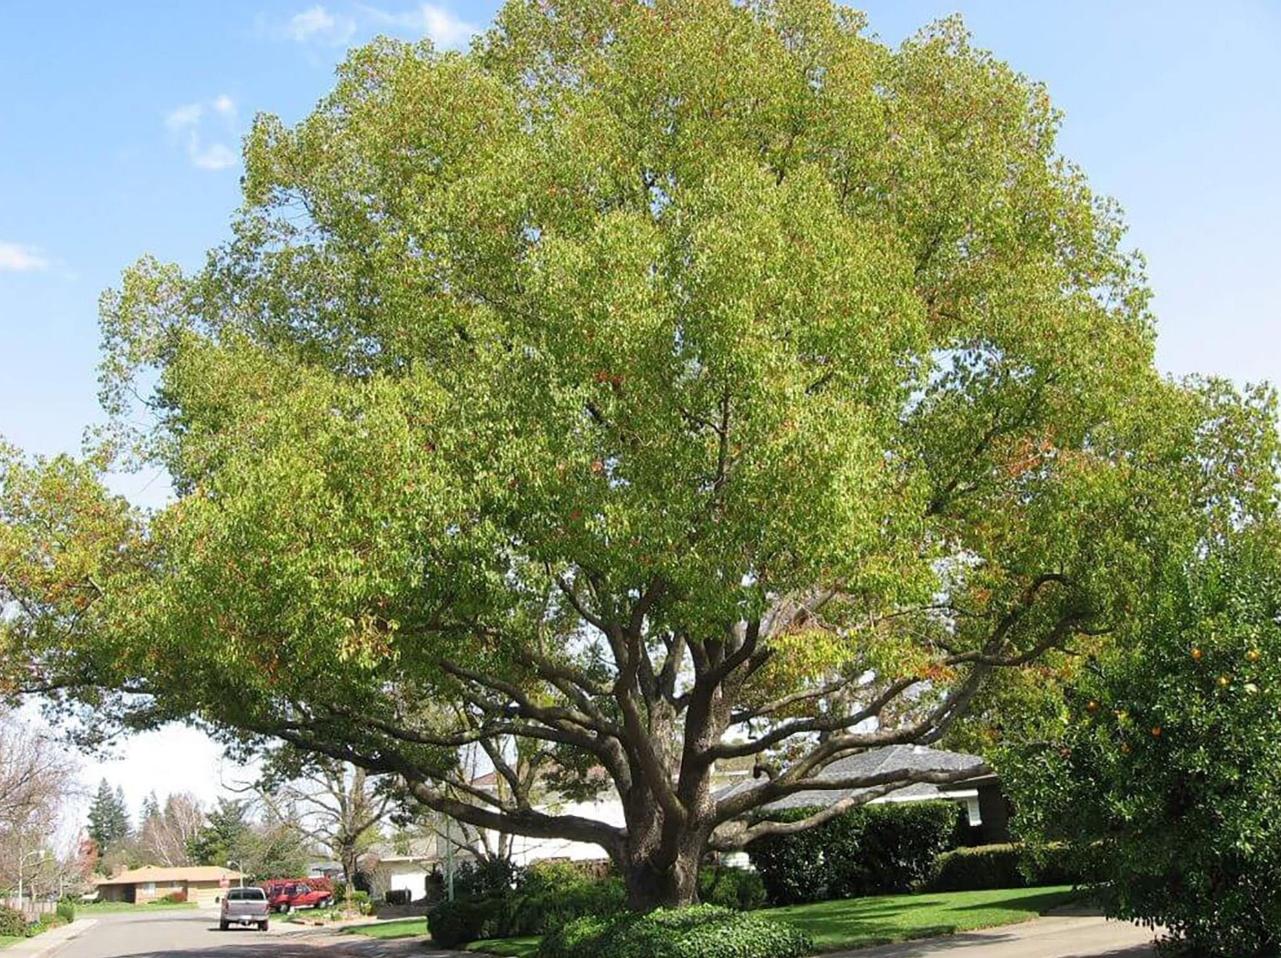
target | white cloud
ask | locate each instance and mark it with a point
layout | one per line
(446, 29)
(224, 106)
(191, 122)
(182, 117)
(17, 258)
(215, 156)
(316, 24)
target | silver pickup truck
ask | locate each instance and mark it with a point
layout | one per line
(244, 906)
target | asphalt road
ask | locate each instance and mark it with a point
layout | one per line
(194, 934)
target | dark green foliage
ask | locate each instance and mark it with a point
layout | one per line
(487, 878)
(735, 888)
(547, 896)
(224, 830)
(872, 850)
(66, 911)
(702, 931)
(454, 923)
(108, 818)
(1166, 771)
(1007, 866)
(12, 924)
(552, 894)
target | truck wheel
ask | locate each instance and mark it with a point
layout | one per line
(224, 925)
(286, 908)
(262, 926)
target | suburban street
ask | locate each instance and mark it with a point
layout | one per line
(195, 934)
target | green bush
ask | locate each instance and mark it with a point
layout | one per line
(872, 850)
(735, 888)
(454, 923)
(703, 931)
(487, 878)
(1005, 866)
(66, 911)
(12, 923)
(551, 894)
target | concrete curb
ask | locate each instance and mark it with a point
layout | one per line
(50, 941)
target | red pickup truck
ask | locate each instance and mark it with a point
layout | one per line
(287, 894)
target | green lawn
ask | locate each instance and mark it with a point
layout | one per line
(872, 921)
(7, 940)
(400, 928)
(851, 923)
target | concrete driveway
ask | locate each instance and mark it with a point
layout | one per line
(1054, 937)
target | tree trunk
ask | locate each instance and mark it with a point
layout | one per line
(350, 862)
(665, 877)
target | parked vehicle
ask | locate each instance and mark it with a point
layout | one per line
(285, 895)
(244, 906)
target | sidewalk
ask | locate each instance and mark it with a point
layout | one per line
(1060, 936)
(44, 944)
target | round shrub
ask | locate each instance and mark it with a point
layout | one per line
(66, 910)
(702, 931)
(12, 922)
(457, 922)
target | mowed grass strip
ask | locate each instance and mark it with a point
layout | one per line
(837, 925)
(855, 922)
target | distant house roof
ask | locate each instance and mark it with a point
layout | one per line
(417, 849)
(889, 760)
(155, 873)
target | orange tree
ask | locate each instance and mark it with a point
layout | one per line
(654, 385)
(1165, 775)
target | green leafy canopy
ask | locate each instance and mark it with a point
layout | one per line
(653, 385)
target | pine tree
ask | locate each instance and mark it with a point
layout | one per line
(225, 831)
(108, 817)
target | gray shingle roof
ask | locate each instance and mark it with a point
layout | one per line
(880, 761)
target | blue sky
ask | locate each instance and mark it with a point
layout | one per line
(119, 127)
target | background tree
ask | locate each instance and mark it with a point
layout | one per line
(261, 849)
(333, 805)
(656, 384)
(37, 781)
(109, 825)
(168, 832)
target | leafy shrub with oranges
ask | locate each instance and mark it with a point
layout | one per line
(1166, 777)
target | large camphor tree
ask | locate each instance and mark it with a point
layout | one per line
(655, 385)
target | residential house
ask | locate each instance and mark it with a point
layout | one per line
(201, 884)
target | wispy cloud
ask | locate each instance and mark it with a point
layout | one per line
(445, 28)
(192, 123)
(319, 25)
(20, 258)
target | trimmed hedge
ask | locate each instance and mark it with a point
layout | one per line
(1004, 866)
(66, 911)
(703, 931)
(872, 850)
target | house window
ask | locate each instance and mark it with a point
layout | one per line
(149, 888)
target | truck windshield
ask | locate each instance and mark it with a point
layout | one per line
(246, 894)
